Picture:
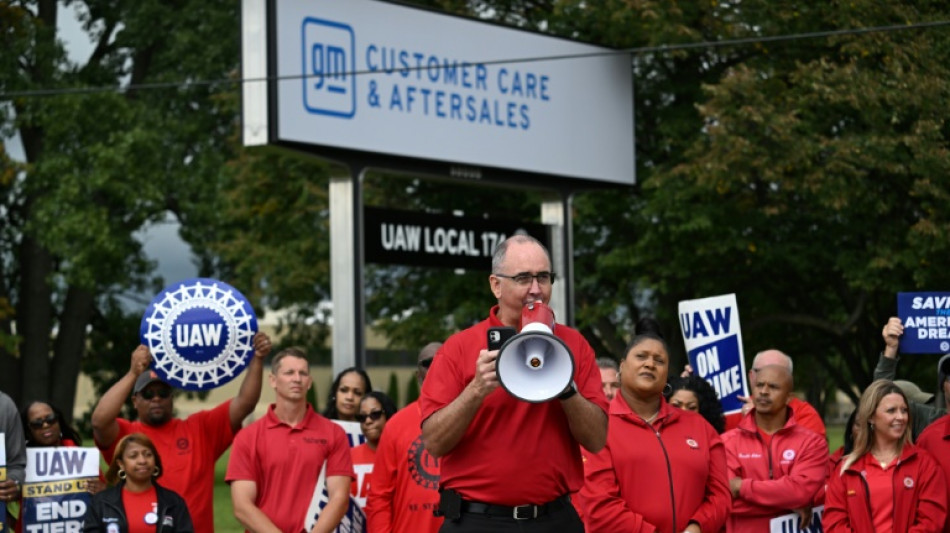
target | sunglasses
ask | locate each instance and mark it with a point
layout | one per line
(40, 422)
(374, 415)
(426, 363)
(164, 394)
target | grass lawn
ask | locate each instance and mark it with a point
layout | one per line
(224, 521)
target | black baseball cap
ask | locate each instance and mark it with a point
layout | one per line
(145, 379)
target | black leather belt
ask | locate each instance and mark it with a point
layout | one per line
(519, 512)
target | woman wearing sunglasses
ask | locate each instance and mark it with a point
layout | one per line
(44, 425)
(375, 409)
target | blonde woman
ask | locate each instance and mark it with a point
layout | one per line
(886, 484)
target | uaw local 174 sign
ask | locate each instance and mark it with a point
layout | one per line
(926, 320)
(199, 332)
(714, 345)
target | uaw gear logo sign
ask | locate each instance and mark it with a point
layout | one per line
(199, 332)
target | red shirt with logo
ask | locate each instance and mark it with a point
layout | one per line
(917, 495)
(657, 477)
(285, 463)
(363, 458)
(405, 480)
(784, 475)
(141, 510)
(513, 452)
(189, 449)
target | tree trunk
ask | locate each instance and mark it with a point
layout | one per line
(69, 347)
(34, 320)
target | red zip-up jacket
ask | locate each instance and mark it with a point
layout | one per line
(935, 440)
(920, 497)
(775, 479)
(655, 478)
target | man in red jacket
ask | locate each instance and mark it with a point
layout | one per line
(403, 489)
(774, 465)
(805, 414)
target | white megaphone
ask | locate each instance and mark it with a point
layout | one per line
(534, 365)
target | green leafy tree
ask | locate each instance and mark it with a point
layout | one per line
(100, 165)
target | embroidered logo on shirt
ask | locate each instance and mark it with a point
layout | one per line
(692, 444)
(909, 482)
(112, 528)
(788, 455)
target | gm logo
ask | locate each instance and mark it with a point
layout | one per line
(329, 68)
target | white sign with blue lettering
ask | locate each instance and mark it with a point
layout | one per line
(791, 523)
(200, 333)
(926, 320)
(394, 79)
(714, 345)
(55, 497)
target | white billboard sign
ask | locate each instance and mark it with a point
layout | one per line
(385, 78)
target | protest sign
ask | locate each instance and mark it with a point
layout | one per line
(55, 498)
(354, 520)
(200, 333)
(790, 523)
(713, 340)
(926, 320)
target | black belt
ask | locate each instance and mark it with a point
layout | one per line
(519, 512)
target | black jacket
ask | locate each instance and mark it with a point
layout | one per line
(106, 508)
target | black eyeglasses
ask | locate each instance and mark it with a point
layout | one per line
(524, 278)
(148, 394)
(373, 415)
(40, 422)
(426, 363)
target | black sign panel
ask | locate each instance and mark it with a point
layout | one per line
(420, 239)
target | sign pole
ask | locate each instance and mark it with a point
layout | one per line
(346, 270)
(556, 212)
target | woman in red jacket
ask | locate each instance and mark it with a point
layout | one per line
(886, 484)
(663, 469)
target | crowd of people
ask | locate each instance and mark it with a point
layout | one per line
(628, 445)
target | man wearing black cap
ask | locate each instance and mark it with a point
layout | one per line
(188, 447)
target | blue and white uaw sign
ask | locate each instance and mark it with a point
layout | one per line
(714, 345)
(55, 498)
(199, 332)
(353, 521)
(926, 319)
(791, 523)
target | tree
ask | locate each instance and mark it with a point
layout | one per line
(100, 165)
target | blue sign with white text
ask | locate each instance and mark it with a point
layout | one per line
(926, 320)
(199, 332)
(713, 341)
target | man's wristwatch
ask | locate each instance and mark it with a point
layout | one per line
(571, 390)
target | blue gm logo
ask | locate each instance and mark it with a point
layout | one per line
(329, 68)
(199, 332)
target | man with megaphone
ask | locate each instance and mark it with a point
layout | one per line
(508, 445)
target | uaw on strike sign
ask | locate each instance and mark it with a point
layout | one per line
(200, 333)
(55, 498)
(714, 345)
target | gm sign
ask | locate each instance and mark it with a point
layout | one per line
(329, 68)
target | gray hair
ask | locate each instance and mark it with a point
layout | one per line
(498, 257)
(608, 363)
(783, 354)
